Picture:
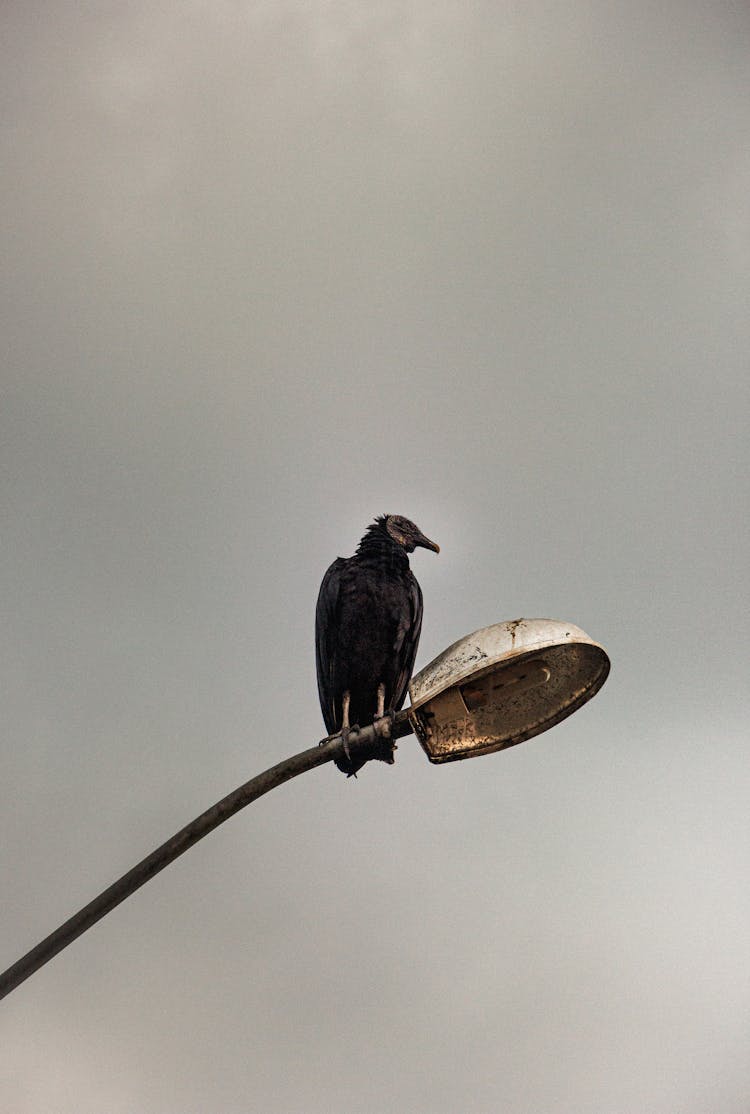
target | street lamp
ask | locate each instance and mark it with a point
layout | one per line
(490, 690)
(503, 684)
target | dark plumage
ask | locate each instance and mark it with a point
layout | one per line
(367, 626)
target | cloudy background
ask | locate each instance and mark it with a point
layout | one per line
(270, 269)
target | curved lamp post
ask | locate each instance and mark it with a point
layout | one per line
(490, 690)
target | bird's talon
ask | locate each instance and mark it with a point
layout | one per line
(345, 732)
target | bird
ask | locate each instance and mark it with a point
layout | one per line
(367, 625)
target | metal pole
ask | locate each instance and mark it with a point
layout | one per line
(329, 749)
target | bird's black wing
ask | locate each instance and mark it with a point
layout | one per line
(326, 627)
(407, 641)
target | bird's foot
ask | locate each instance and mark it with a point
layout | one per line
(383, 724)
(346, 733)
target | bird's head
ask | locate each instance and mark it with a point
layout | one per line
(404, 533)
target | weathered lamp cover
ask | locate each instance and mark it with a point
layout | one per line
(502, 685)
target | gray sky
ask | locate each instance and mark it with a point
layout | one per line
(271, 269)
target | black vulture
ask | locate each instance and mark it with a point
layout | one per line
(367, 626)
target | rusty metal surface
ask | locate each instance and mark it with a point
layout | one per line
(503, 684)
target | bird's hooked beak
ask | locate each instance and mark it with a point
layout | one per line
(425, 543)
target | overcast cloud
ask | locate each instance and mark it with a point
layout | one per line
(271, 269)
